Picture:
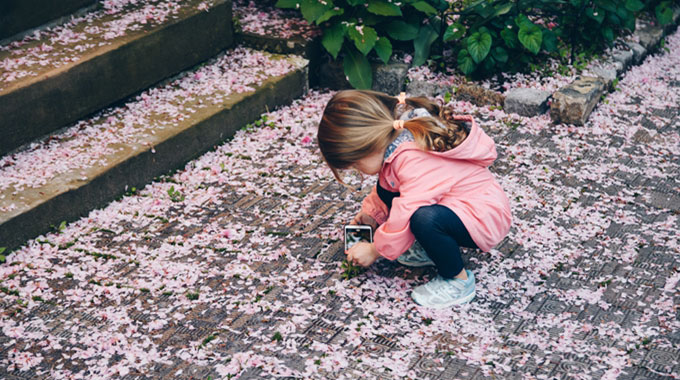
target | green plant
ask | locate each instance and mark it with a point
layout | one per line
(2, 257)
(486, 33)
(349, 270)
(353, 29)
(175, 195)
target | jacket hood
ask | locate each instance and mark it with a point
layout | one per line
(477, 148)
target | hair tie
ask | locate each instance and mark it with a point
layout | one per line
(398, 124)
(402, 98)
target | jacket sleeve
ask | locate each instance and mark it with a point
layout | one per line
(374, 206)
(416, 189)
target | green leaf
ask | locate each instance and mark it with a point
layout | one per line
(510, 38)
(465, 62)
(634, 5)
(523, 20)
(333, 38)
(664, 14)
(357, 69)
(595, 14)
(502, 9)
(401, 31)
(364, 37)
(3, 249)
(500, 54)
(329, 14)
(454, 31)
(479, 45)
(423, 43)
(608, 33)
(313, 9)
(607, 5)
(549, 41)
(424, 7)
(384, 48)
(354, 3)
(295, 4)
(531, 37)
(383, 8)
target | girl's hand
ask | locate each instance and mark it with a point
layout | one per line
(363, 254)
(365, 219)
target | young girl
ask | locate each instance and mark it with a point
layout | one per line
(434, 185)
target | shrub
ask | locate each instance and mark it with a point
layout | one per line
(353, 29)
(483, 34)
(486, 33)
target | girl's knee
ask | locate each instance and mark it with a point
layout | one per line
(423, 219)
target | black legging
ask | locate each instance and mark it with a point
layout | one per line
(439, 231)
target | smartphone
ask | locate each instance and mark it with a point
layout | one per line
(357, 233)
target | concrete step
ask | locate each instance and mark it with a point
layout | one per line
(17, 16)
(264, 27)
(61, 74)
(98, 159)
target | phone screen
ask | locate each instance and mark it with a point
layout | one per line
(355, 234)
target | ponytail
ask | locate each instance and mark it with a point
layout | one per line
(358, 123)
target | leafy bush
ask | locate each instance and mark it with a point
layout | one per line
(487, 32)
(353, 29)
(486, 36)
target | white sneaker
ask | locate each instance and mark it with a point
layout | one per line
(415, 257)
(440, 292)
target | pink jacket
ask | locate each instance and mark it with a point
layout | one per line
(458, 179)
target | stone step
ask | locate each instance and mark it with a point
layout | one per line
(98, 159)
(17, 16)
(59, 75)
(262, 26)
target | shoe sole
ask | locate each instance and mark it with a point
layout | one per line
(416, 265)
(458, 301)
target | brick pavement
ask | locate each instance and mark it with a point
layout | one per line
(230, 267)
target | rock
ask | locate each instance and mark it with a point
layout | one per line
(389, 78)
(425, 88)
(332, 76)
(479, 96)
(573, 103)
(607, 71)
(649, 35)
(625, 57)
(638, 51)
(526, 101)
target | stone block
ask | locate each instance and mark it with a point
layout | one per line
(573, 103)
(607, 71)
(389, 78)
(624, 57)
(638, 50)
(526, 101)
(479, 96)
(649, 36)
(332, 76)
(425, 88)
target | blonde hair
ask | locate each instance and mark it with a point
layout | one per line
(358, 123)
